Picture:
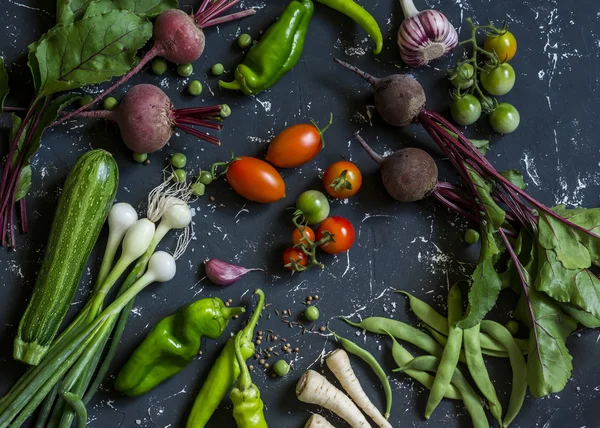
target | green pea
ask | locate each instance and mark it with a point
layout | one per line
(244, 41)
(140, 157)
(159, 66)
(198, 189)
(471, 236)
(205, 177)
(178, 160)
(86, 100)
(281, 368)
(185, 70)
(195, 88)
(217, 69)
(110, 103)
(512, 326)
(180, 175)
(225, 110)
(311, 313)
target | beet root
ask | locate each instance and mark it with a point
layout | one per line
(179, 38)
(399, 98)
(408, 175)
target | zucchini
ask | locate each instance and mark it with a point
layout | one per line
(84, 204)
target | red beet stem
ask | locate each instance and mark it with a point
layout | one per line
(203, 6)
(376, 157)
(199, 122)
(24, 224)
(155, 50)
(371, 79)
(198, 134)
(227, 18)
(194, 110)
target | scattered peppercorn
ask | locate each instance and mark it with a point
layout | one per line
(322, 329)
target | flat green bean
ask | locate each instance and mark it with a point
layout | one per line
(400, 331)
(368, 358)
(451, 353)
(472, 402)
(479, 372)
(518, 364)
(402, 357)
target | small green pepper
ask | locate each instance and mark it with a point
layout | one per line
(172, 344)
(224, 371)
(248, 407)
(276, 53)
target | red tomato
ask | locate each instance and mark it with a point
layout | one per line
(342, 231)
(297, 236)
(296, 145)
(255, 180)
(292, 257)
(342, 186)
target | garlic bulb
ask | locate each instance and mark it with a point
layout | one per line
(424, 36)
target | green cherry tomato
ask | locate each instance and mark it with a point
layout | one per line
(462, 76)
(195, 88)
(140, 157)
(499, 80)
(281, 368)
(180, 175)
(244, 41)
(185, 70)
(225, 110)
(198, 189)
(110, 103)
(311, 313)
(471, 236)
(466, 110)
(314, 205)
(159, 66)
(217, 69)
(505, 119)
(205, 177)
(178, 160)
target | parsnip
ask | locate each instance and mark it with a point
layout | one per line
(313, 388)
(339, 363)
(318, 421)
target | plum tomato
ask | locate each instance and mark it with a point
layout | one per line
(296, 145)
(294, 259)
(342, 179)
(255, 180)
(297, 237)
(314, 205)
(505, 45)
(342, 231)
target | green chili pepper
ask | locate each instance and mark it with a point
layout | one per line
(172, 344)
(359, 15)
(247, 404)
(224, 372)
(276, 53)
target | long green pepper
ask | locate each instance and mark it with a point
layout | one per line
(248, 407)
(277, 52)
(224, 372)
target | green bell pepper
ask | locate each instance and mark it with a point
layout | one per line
(276, 53)
(172, 344)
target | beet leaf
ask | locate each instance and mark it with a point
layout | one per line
(142, 8)
(515, 177)
(69, 11)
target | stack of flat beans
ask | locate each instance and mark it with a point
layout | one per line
(448, 345)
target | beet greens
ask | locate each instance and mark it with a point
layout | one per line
(549, 250)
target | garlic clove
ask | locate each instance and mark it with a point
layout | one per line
(223, 273)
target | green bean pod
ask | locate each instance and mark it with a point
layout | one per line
(518, 364)
(451, 353)
(479, 372)
(472, 402)
(368, 358)
(402, 357)
(400, 331)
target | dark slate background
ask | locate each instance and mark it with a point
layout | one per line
(416, 247)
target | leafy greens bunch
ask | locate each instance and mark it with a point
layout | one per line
(92, 42)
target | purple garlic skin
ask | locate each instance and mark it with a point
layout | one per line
(223, 273)
(426, 36)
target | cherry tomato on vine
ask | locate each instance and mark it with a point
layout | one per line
(297, 237)
(255, 180)
(499, 80)
(292, 258)
(342, 231)
(296, 145)
(505, 119)
(314, 205)
(504, 45)
(462, 76)
(466, 110)
(342, 179)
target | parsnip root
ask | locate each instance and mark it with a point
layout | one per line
(318, 421)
